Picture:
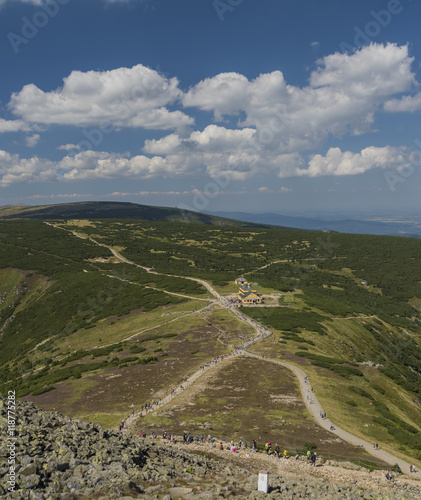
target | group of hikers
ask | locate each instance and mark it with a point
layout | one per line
(148, 406)
(199, 438)
(233, 447)
(311, 455)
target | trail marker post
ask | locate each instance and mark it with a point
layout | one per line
(263, 483)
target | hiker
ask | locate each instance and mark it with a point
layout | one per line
(285, 454)
(389, 476)
(221, 446)
(308, 455)
(410, 468)
(297, 456)
(313, 458)
(277, 451)
(268, 446)
(144, 434)
(254, 447)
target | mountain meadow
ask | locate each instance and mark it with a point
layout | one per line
(100, 315)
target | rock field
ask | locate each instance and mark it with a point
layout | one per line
(56, 457)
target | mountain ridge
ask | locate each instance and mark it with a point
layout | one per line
(116, 210)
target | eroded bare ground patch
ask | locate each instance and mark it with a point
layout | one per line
(248, 399)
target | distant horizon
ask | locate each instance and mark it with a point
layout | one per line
(304, 212)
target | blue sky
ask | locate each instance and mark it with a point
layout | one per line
(242, 105)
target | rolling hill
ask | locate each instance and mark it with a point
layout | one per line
(116, 210)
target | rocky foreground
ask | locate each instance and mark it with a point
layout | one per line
(45, 455)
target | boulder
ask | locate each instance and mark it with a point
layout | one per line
(28, 482)
(28, 470)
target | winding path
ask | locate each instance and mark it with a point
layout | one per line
(314, 408)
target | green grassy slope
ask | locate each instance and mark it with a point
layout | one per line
(54, 285)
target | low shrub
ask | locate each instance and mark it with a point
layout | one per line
(137, 349)
(347, 371)
(360, 392)
(38, 392)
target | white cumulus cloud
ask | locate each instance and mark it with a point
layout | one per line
(406, 104)
(277, 123)
(32, 140)
(337, 162)
(14, 126)
(343, 94)
(14, 169)
(69, 147)
(91, 165)
(123, 97)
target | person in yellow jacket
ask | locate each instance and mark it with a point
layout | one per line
(285, 454)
